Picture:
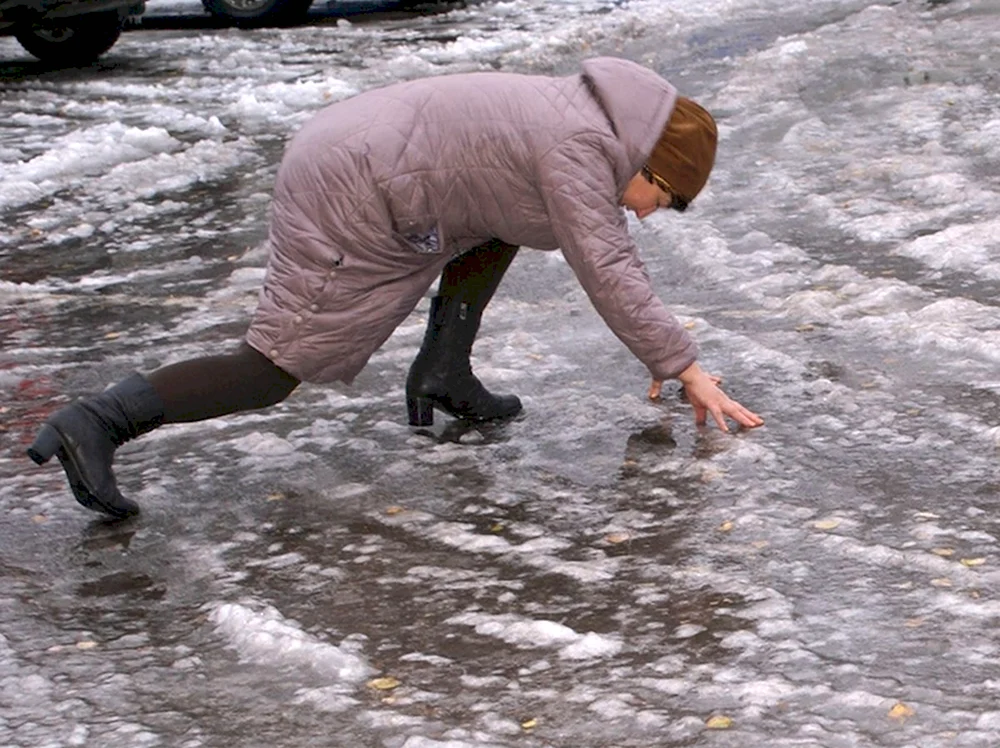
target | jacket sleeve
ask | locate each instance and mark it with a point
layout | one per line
(580, 193)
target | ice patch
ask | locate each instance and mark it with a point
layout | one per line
(263, 636)
(259, 444)
(973, 248)
(81, 153)
(528, 634)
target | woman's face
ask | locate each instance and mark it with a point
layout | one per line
(643, 197)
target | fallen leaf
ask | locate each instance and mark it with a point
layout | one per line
(805, 328)
(914, 623)
(943, 552)
(973, 561)
(393, 510)
(384, 684)
(926, 515)
(497, 527)
(39, 519)
(726, 526)
(710, 474)
(719, 722)
(941, 582)
(529, 724)
(827, 524)
(617, 537)
(761, 544)
(86, 645)
(901, 712)
(276, 496)
(690, 325)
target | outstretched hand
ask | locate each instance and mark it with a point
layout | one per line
(706, 397)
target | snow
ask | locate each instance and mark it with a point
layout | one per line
(840, 271)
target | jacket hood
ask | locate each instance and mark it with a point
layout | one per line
(637, 102)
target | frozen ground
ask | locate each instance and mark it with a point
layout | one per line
(599, 572)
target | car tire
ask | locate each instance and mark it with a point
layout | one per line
(251, 13)
(72, 41)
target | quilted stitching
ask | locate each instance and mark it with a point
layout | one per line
(530, 160)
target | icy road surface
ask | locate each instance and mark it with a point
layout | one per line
(598, 573)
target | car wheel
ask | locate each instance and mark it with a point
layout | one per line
(249, 13)
(72, 41)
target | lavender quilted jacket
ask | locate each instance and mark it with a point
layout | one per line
(376, 193)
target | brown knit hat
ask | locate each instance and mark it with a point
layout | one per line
(685, 153)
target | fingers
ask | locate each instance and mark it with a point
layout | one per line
(723, 409)
(720, 419)
(743, 416)
(655, 388)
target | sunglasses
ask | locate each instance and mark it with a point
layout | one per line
(677, 202)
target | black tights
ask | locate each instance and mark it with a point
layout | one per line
(215, 386)
(473, 277)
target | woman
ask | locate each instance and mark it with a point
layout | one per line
(380, 194)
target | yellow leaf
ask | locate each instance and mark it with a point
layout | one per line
(827, 524)
(690, 325)
(943, 551)
(276, 496)
(760, 544)
(529, 724)
(941, 582)
(617, 537)
(805, 328)
(710, 474)
(719, 722)
(392, 510)
(973, 561)
(384, 684)
(914, 623)
(39, 519)
(86, 645)
(901, 712)
(112, 335)
(498, 527)
(726, 526)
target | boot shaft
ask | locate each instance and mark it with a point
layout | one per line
(130, 408)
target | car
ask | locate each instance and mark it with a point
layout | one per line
(66, 32)
(255, 13)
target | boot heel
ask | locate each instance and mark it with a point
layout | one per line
(46, 444)
(421, 410)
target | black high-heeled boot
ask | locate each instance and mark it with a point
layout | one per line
(85, 435)
(441, 375)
